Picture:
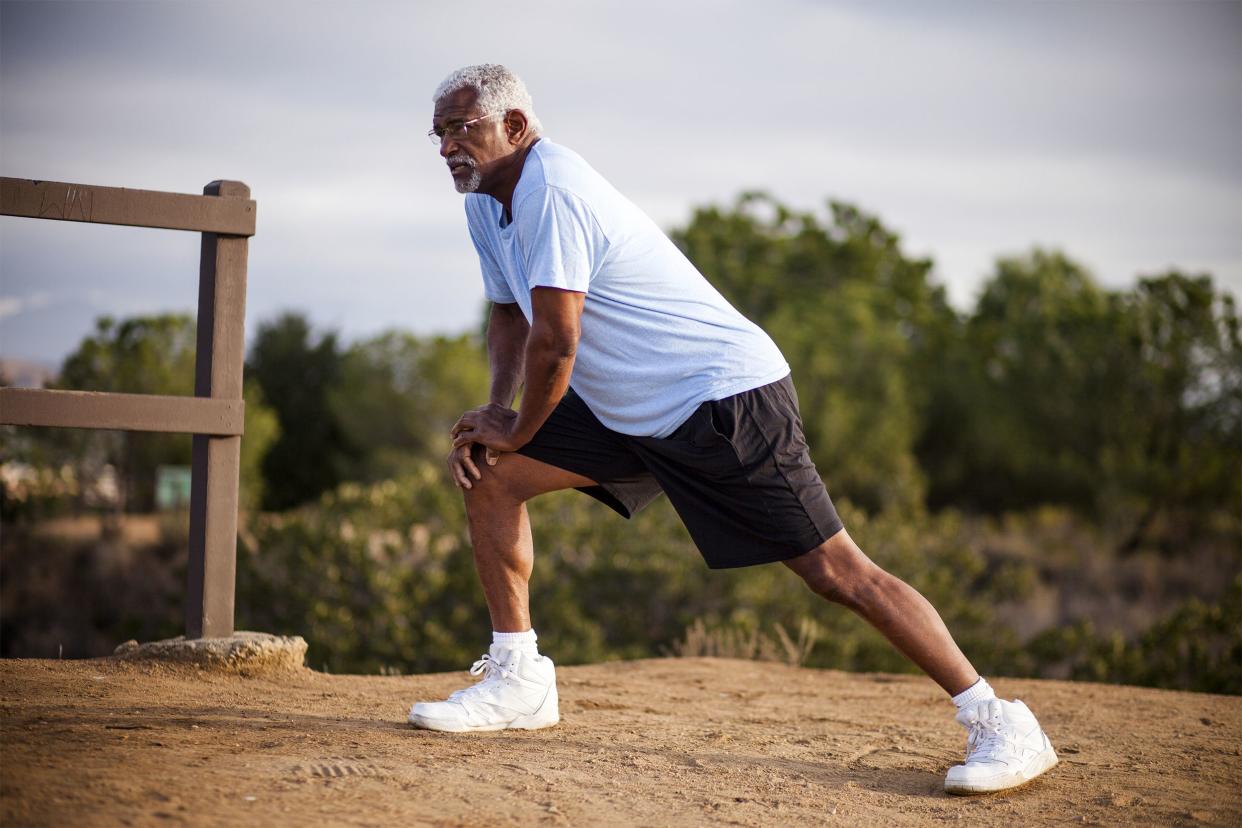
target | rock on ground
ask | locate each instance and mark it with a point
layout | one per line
(241, 652)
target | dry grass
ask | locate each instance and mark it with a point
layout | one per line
(750, 644)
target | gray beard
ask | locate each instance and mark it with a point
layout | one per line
(471, 183)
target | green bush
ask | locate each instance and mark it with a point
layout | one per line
(1198, 646)
(381, 577)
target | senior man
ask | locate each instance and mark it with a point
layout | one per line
(638, 378)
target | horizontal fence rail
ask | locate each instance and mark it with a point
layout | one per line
(133, 208)
(225, 216)
(124, 412)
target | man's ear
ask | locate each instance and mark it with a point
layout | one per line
(515, 126)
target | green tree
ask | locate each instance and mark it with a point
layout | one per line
(1181, 454)
(1031, 398)
(399, 394)
(296, 376)
(142, 355)
(262, 430)
(858, 321)
(1124, 405)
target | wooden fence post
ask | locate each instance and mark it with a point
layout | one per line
(219, 361)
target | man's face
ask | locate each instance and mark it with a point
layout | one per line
(470, 157)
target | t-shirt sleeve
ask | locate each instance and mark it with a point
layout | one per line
(559, 239)
(495, 288)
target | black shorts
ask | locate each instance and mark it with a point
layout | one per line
(737, 471)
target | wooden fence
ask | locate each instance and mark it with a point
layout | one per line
(225, 215)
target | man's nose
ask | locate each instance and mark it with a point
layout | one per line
(447, 146)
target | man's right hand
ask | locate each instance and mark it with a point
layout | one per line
(464, 462)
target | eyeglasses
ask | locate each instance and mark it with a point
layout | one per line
(455, 131)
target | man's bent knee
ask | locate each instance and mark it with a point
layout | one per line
(517, 478)
(496, 484)
(838, 571)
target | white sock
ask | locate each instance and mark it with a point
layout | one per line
(522, 641)
(975, 693)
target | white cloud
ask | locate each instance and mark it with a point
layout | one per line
(13, 305)
(9, 306)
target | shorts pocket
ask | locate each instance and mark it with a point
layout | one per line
(712, 424)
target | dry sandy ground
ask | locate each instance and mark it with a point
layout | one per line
(660, 742)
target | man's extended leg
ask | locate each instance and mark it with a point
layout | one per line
(1005, 746)
(839, 571)
(518, 686)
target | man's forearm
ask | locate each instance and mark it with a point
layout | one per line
(541, 353)
(506, 354)
(507, 369)
(549, 366)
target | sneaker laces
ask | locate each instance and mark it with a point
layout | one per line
(491, 670)
(986, 737)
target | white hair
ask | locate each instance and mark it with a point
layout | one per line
(499, 91)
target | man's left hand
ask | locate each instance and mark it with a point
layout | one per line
(492, 426)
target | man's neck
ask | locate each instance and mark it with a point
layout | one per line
(507, 178)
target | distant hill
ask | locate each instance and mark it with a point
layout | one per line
(26, 373)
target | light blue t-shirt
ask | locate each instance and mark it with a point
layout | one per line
(657, 339)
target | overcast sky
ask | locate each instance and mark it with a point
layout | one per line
(1109, 130)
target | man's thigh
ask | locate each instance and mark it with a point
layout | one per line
(525, 477)
(575, 441)
(739, 473)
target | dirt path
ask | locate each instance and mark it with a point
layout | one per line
(660, 742)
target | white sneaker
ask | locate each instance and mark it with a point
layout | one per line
(517, 690)
(1005, 747)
